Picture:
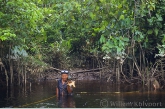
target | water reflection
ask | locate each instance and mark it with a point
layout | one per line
(90, 94)
(66, 102)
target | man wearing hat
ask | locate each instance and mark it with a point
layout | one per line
(63, 86)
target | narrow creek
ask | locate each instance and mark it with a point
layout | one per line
(87, 94)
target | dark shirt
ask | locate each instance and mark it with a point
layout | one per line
(62, 88)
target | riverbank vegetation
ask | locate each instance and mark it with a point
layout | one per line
(124, 37)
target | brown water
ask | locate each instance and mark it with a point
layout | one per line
(86, 94)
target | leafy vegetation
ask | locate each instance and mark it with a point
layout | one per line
(37, 34)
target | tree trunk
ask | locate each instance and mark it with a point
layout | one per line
(1, 64)
(162, 71)
(130, 68)
(19, 78)
(7, 78)
(118, 73)
(25, 74)
(22, 75)
(11, 71)
(10, 65)
(18, 72)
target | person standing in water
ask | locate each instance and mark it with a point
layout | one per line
(63, 88)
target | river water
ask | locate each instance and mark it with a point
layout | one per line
(87, 94)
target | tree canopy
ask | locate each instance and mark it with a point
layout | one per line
(44, 33)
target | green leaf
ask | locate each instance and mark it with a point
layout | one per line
(3, 38)
(120, 6)
(121, 17)
(150, 31)
(121, 43)
(159, 17)
(126, 39)
(156, 31)
(102, 1)
(96, 29)
(118, 49)
(163, 40)
(102, 39)
(92, 15)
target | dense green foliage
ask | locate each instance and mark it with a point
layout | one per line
(42, 33)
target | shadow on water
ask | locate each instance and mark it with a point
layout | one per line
(90, 94)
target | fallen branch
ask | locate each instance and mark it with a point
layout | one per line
(82, 71)
(55, 69)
